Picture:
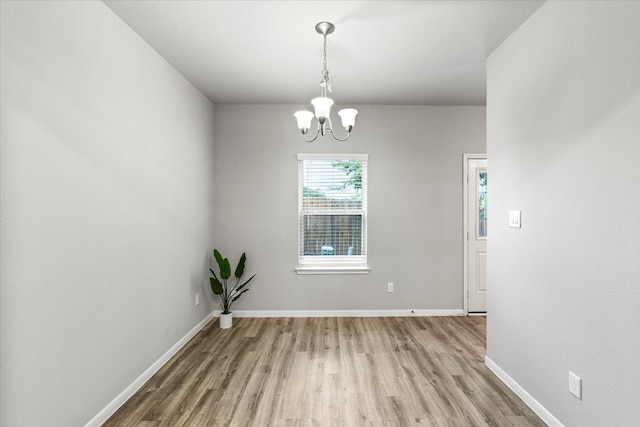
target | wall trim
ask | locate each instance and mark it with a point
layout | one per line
(532, 403)
(112, 407)
(345, 313)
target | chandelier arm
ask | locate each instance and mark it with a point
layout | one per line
(314, 138)
(330, 129)
(340, 139)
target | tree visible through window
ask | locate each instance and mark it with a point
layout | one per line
(332, 210)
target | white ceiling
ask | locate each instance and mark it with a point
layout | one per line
(382, 52)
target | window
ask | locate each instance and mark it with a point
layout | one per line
(481, 206)
(332, 213)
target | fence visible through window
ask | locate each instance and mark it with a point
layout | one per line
(332, 234)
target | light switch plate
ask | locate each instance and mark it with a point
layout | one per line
(514, 219)
(575, 385)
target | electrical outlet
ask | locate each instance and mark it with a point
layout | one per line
(389, 287)
(575, 385)
(197, 299)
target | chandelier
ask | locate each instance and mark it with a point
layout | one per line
(322, 104)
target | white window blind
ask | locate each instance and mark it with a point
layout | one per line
(332, 211)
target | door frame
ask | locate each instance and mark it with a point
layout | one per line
(465, 227)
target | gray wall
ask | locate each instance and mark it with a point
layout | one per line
(415, 205)
(107, 209)
(564, 147)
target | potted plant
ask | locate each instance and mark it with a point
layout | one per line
(228, 292)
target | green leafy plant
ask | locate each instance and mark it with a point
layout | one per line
(228, 292)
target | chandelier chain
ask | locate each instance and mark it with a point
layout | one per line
(326, 80)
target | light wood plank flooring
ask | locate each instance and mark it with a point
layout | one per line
(395, 371)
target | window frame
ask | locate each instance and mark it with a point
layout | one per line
(335, 264)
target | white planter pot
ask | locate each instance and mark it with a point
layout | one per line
(226, 321)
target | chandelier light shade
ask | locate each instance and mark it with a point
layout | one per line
(304, 120)
(348, 116)
(322, 104)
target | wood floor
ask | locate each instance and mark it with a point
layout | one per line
(395, 371)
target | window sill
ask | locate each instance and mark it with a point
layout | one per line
(304, 269)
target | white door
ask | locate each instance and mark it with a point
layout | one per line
(476, 244)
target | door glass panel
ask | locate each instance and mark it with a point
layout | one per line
(481, 232)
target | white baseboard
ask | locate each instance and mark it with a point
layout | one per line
(344, 313)
(112, 407)
(532, 403)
